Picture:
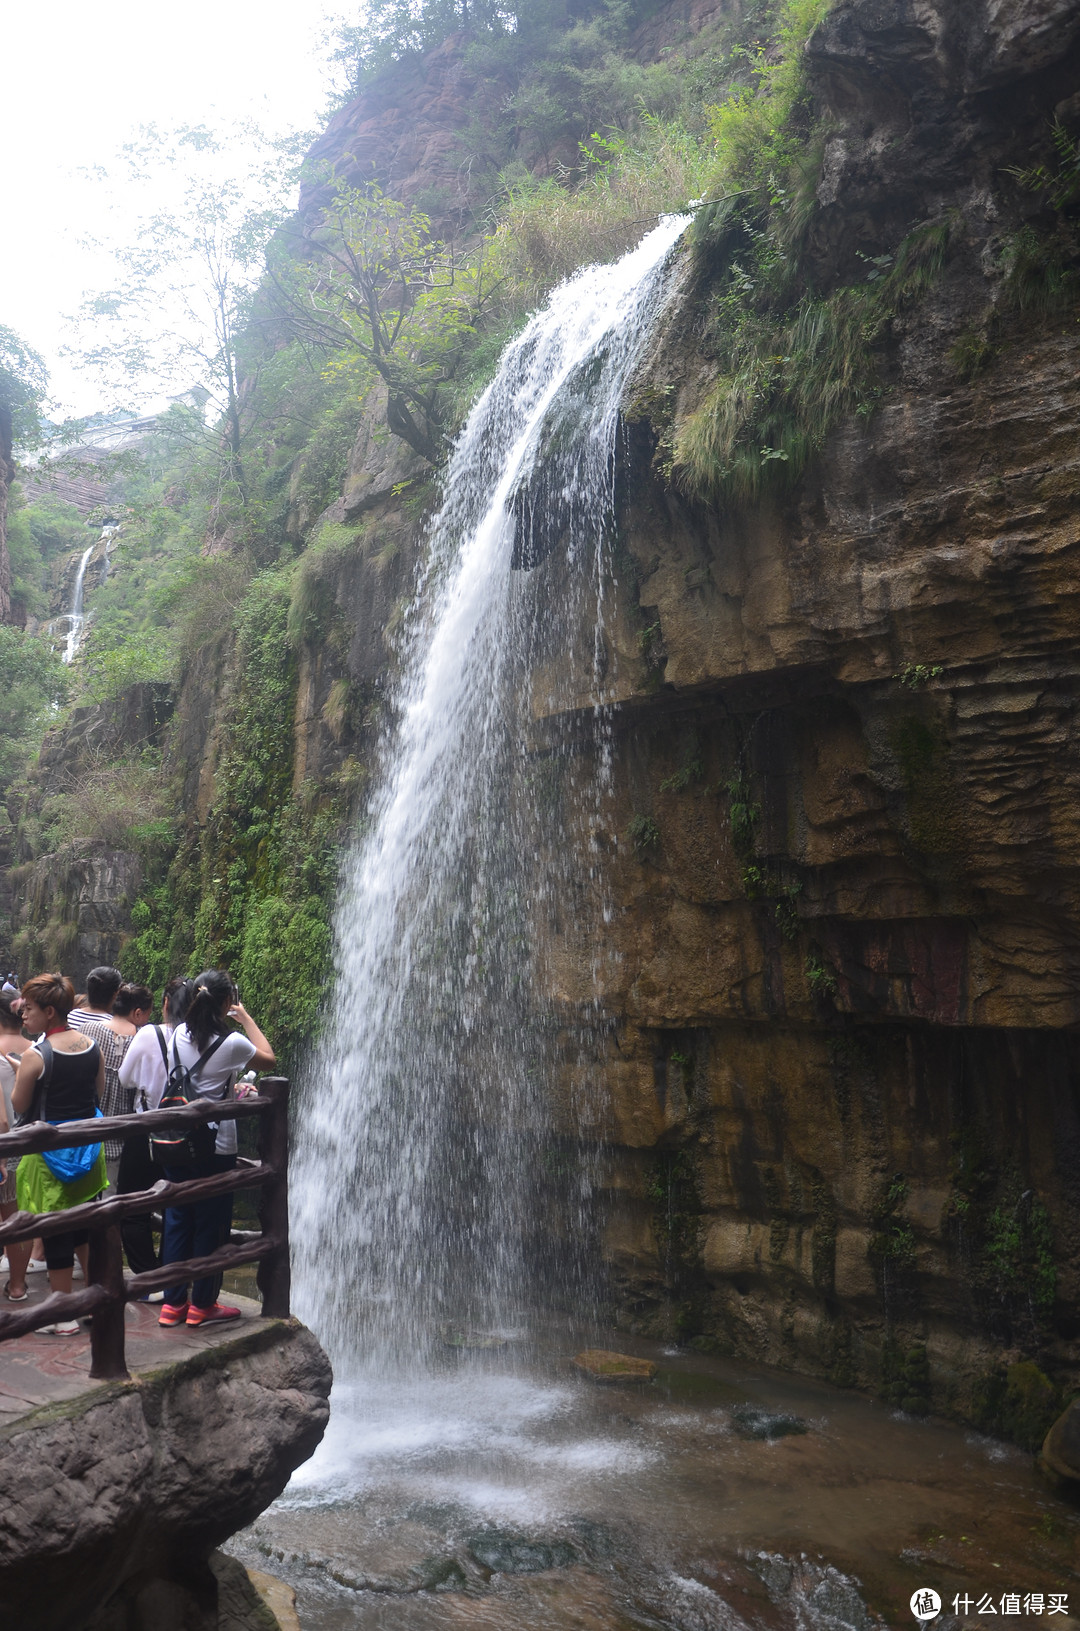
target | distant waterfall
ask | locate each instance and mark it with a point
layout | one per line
(76, 619)
(416, 1178)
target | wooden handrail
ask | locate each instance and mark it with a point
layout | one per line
(108, 1289)
(95, 1214)
(196, 1268)
(37, 1136)
(60, 1305)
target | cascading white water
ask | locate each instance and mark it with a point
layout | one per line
(76, 619)
(414, 1182)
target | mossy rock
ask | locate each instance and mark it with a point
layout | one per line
(766, 1425)
(505, 1553)
(604, 1366)
(1061, 1447)
(1018, 1403)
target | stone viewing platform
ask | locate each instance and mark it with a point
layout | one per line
(39, 1370)
(130, 1451)
(115, 1494)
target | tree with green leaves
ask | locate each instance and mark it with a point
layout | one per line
(178, 319)
(372, 285)
(23, 384)
(391, 29)
(33, 680)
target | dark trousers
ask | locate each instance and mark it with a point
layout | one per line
(137, 1171)
(60, 1249)
(197, 1230)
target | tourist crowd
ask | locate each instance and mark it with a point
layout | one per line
(69, 1058)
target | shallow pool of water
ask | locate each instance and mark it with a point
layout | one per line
(511, 1493)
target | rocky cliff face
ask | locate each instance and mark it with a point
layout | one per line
(841, 985)
(834, 890)
(71, 907)
(821, 976)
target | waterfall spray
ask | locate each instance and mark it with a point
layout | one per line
(420, 1139)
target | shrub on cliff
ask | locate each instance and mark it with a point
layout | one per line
(37, 534)
(33, 681)
(788, 371)
(790, 358)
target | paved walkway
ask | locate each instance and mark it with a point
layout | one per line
(37, 1370)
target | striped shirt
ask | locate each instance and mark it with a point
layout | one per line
(116, 1100)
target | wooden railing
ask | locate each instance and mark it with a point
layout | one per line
(108, 1289)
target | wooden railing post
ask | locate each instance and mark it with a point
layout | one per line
(107, 1359)
(274, 1275)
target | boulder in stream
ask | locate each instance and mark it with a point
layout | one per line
(115, 1500)
(604, 1366)
(1060, 1455)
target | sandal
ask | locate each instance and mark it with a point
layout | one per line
(14, 1296)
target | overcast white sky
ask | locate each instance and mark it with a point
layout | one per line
(79, 79)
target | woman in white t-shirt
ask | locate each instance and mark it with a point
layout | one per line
(199, 1229)
(142, 1076)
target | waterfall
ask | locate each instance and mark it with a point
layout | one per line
(108, 538)
(76, 619)
(416, 1181)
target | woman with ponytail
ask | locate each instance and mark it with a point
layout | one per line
(143, 1076)
(215, 1055)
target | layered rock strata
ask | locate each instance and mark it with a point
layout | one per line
(832, 931)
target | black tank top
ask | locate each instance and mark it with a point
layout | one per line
(72, 1091)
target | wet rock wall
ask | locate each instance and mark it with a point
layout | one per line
(820, 981)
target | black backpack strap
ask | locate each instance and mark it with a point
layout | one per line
(204, 1058)
(163, 1045)
(45, 1048)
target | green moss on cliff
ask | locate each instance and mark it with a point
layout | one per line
(1003, 1236)
(1018, 1402)
(935, 810)
(791, 361)
(252, 890)
(905, 1377)
(674, 1189)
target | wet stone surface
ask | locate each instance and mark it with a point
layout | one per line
(41, 1369)
(514, 1495)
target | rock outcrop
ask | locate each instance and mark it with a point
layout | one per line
(836, 878)
(72, 907)
(113, 1504)
(1060, 1455)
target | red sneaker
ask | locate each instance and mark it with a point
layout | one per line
(210, 1316)
(172, 1314)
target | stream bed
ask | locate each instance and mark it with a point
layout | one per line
(512, 1493)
